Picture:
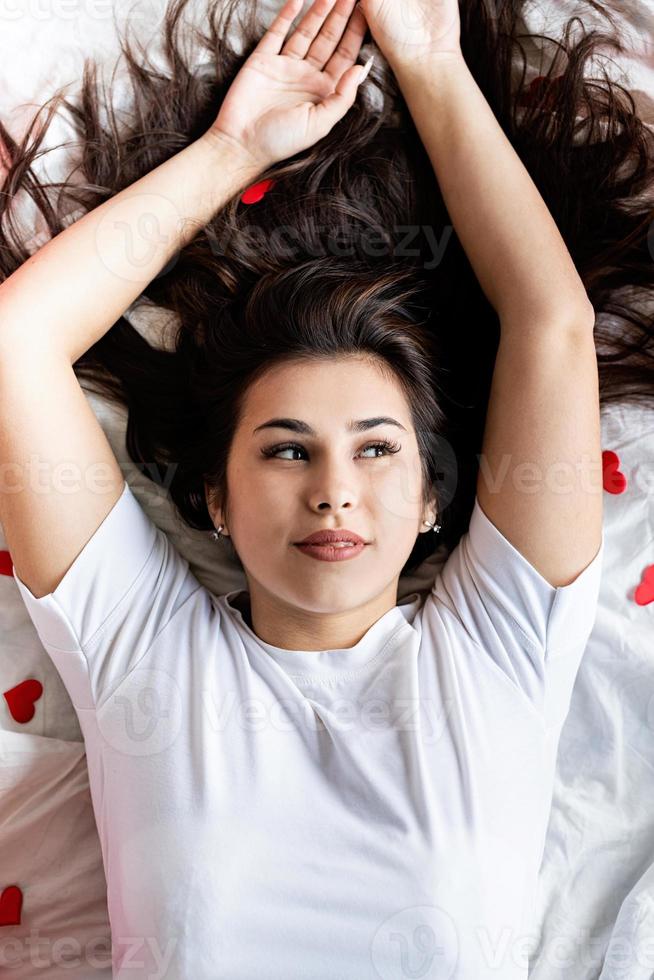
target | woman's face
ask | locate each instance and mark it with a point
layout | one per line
(329, 478)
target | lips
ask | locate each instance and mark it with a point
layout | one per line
(332, 538)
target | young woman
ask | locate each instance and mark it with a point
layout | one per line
(329, 784)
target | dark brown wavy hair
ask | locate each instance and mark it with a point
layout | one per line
(352, 250)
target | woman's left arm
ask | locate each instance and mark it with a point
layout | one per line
(540, 479)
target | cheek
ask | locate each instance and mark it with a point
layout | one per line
(262, 507)
(275, 491)
(397, 491)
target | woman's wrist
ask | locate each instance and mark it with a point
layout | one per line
(237, 157)
(426, 66)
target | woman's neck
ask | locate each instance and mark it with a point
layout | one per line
(290, 627)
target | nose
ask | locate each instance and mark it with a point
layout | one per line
(332, 490)
(334, 499)
(326, 505)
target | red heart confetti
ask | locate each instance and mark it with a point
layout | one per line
(645, 591)
(257, 192)
(11, 902)
(21, 699)
(542, 84)
(6, 564)
(614, 480)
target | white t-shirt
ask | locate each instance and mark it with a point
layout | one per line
(270, 814)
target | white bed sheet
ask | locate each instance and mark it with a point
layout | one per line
(595, 914)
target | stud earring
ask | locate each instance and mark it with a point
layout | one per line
(435, 527)
(216, 534)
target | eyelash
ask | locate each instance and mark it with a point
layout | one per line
(390, 447)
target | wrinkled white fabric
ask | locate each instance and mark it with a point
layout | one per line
(285, 813)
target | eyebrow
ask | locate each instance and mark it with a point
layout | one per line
(296, 425)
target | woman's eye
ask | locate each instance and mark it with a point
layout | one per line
(283, 449)
(379, 449)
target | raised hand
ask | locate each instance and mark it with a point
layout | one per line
(292, 90)
(413, 30)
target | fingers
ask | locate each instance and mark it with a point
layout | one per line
(301, 40)
(275, 36)
(318, 34)
(328, 112)
(349, 46)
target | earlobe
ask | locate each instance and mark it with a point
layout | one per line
(215, 512)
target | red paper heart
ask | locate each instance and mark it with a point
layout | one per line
(614, 480)
(11, 902)
(645, 591)
(257, 192)
(21, 699)
(536, 88)
(6, 564)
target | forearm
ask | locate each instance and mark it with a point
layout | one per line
(505, 227)
(69, 293)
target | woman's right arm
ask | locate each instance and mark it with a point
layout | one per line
(288, 94)
(59, 476)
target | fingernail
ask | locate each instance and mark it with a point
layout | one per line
(366, 68)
